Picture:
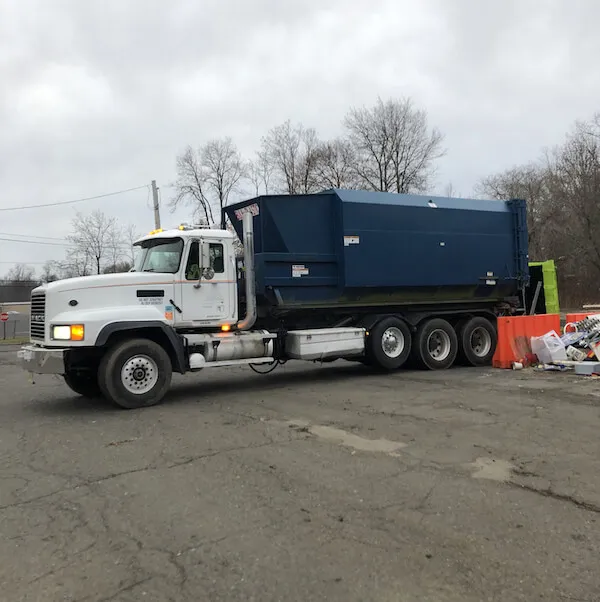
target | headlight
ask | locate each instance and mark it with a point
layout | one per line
(72, 332)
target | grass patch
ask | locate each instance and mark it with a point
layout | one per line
(16, 341)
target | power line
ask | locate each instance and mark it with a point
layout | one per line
(58, 244)
(36, 242)
(31, 236)
(89, 198)
(23, 262)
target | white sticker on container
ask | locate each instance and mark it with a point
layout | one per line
(299, 270)
(490, 282)
(253, 209)
(351, 240)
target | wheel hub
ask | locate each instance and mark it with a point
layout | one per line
(139, 374)
(392, 342)
(439, 345)
(481, 342)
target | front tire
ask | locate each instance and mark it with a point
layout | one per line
(84, 383)
(135, 374)
(436, 344)
(388, 344)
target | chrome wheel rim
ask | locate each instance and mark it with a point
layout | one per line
(392, 342)
(439, 345)
(481, 342)
(139, 374)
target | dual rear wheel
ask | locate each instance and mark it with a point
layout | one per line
(436, 345)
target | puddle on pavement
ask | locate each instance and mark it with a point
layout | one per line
(491, 469)
(335, 435)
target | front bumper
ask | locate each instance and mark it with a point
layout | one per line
(42, 360)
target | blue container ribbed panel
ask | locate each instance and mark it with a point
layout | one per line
(332, 245)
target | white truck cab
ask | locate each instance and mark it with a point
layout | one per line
(202, 269)
(122, 335)
(183, 277)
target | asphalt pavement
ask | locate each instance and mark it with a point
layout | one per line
(312, 483)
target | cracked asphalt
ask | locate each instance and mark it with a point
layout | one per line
(312, 483)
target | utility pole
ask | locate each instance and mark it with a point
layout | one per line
(156, 207)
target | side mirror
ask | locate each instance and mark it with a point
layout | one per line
(204, 255)
(206, 270)
(208, 273)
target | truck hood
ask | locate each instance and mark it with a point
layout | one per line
(106, 281)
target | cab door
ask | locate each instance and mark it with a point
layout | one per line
(207, 301)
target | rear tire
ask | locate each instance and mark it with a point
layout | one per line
(135, 374)
(389, 344)
(436, 344)
(477, 340)
(84, 383)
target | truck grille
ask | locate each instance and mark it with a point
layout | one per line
(38, 315)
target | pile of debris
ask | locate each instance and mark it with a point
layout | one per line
(578, 349)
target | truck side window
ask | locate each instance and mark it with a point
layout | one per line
(216, 258)
(192, 268)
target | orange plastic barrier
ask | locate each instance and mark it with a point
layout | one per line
(572, 318)
(514, 337)
(579, 316)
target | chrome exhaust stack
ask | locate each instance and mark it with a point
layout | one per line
(248, 231)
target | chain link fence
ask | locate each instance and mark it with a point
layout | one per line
(16, 327)
(15, 301)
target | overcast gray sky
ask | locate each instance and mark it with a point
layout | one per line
(98, 96)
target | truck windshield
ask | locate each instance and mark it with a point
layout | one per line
(159, 255)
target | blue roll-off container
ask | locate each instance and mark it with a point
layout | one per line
(352, 247)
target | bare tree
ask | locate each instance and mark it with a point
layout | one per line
(292, 154)
(208, 177)
(20, 273)
(254, 177)
(592, 128)
(574, 171)
(335, 165)
(449, 190)
(259, 172)
(131, 234)
(308, 162)
(116, 246)
(96, 239)
(51, 271)
(395, 148)
(528, 182)
(78, 262)
(223, 169)
(191, 185)
(562, 191)
(118, 267)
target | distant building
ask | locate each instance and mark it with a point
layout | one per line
(15, 292)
